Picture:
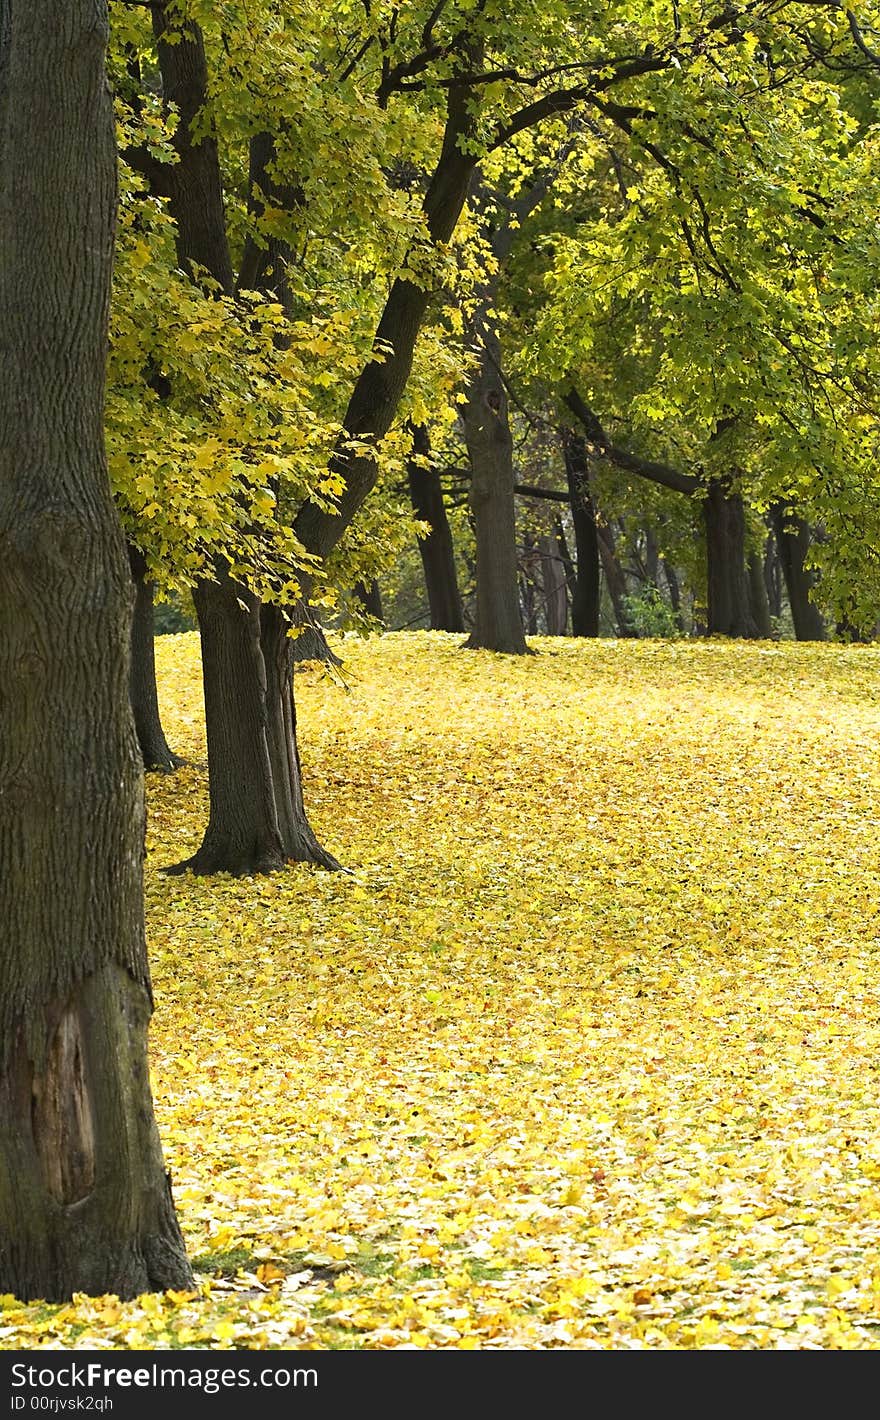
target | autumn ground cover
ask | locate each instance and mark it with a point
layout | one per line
(584, 1050)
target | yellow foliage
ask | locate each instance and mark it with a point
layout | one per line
(582, 1052)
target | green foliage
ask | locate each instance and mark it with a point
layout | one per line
(651, 615)
(704, 258)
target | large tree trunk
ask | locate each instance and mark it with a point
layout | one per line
(793, 537)
(585, 597)
(155, 750)
(498, 623)
(85, 1203)
(729, 607)
(243, 834)
(257, 821)
(436, 550)
(196, 185)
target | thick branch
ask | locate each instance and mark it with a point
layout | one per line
(525, 490)
(661, 473)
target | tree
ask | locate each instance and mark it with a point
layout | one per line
(85, 1203)
(793, 537)
(436, 548)
(585, 593)
(257, 817)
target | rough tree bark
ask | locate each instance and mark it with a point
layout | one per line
(793, 537)
(436, 550)
(729, 605)
(498, 622)
(278, 650)
(155, 750)
(85, 1202)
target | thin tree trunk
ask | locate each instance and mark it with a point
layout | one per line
(585, 596)
(436, 550)
(615, 580)
(759, 602)
(773, 573)
(85, 1203)
(568, 567)
(652, 557)
(553, 580)
(729, 609)
(155, 750)
(498, 623)
(671, 576)
(793, 537)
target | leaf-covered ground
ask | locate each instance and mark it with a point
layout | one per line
(584, 1053)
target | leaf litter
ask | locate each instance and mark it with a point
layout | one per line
(583, 1053)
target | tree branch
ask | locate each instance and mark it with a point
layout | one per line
(600, 444)
(526, 490)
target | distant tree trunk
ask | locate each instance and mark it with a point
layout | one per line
(369, 594)
(585, 596)
(436, 550)
(759, 602)
(498, 623)
(154, 747)
(614, 580)
(526, 582)
(85, 1202)
(553, 580)
(671, 576)
(773, 573)
(568, 567)
(652, 557)
(793, 537)
(729, 609)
